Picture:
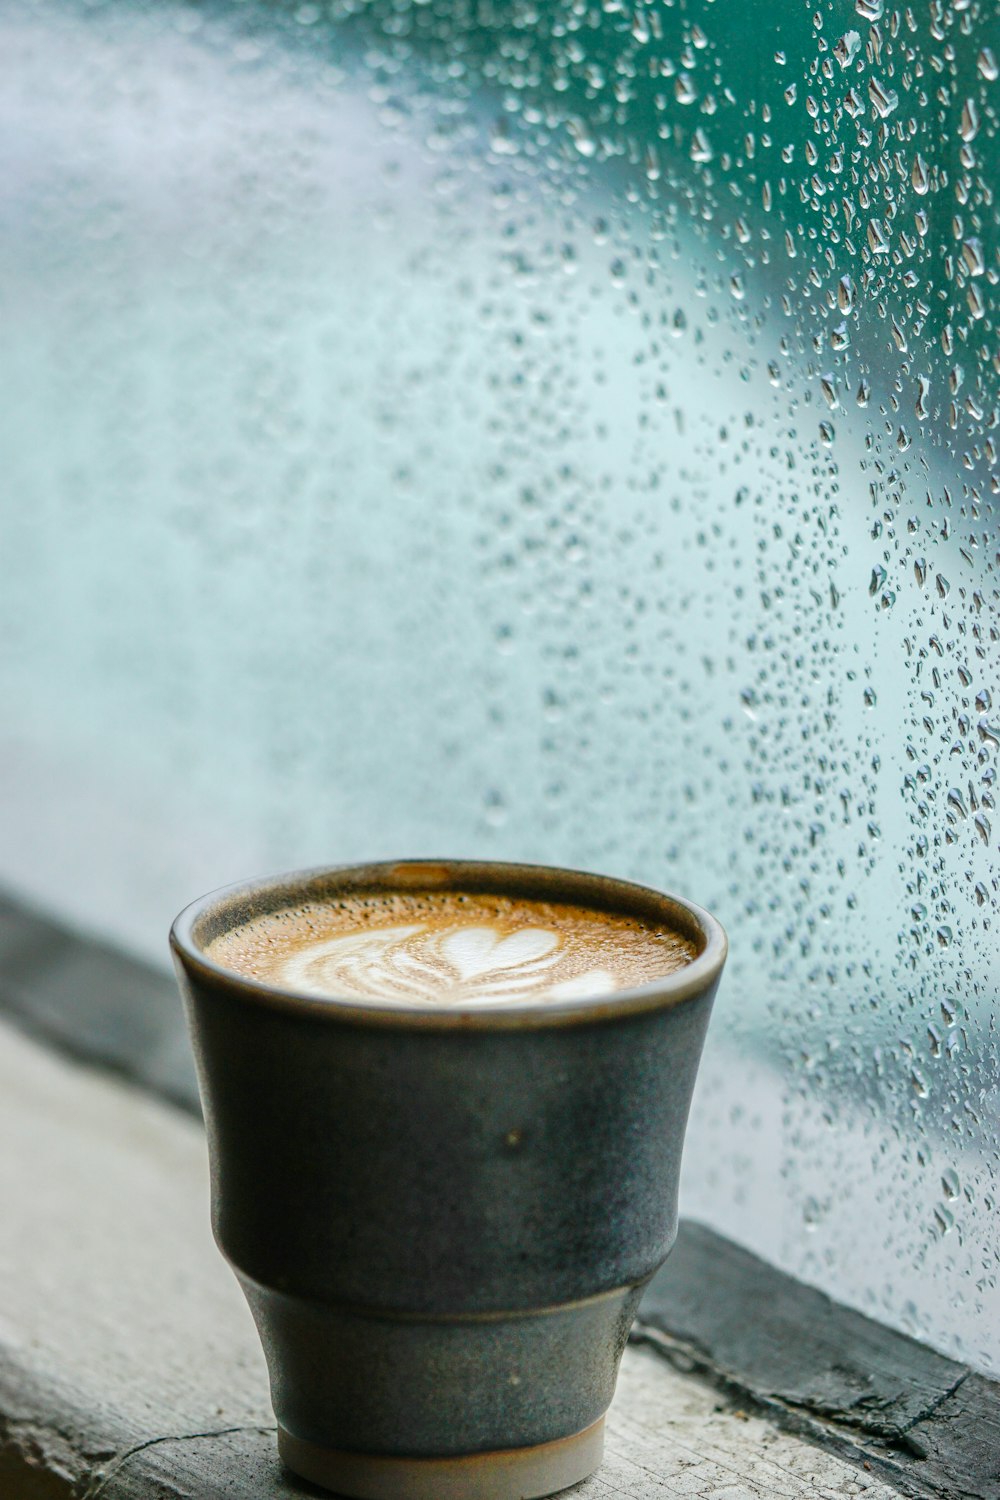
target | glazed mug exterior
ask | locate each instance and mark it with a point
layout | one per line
(443, 1217)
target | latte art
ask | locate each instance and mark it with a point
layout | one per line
(454, 964)
(453, 949)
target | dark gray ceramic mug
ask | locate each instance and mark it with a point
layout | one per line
(443, 1218)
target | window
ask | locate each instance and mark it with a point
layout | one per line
(558, 431)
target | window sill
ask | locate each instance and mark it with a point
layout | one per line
(129, 1365)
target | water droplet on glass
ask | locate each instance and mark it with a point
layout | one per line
(495, 809)
(968, 127)
(855, 106)
(813, 1213)
(582, 139)
(877, 242)
(923, 391)
(847, 48)
(944, 1220)
(700, 148)
(987, 64)
(884, 100)
(684, 89)
(640, 28)
(972, 255)
(956, 801)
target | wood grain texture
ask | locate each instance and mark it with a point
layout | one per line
(792, 1342)
(957, 1445)
(129, 1365)
(926, 1423)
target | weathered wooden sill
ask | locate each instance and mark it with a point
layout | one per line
(129, 1366)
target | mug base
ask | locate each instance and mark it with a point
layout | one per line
(503, 1474)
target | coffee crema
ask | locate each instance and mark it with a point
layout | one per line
(451, 947)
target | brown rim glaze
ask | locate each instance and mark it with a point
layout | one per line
(230, 907)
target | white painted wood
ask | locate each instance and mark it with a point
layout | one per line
(130, 1367)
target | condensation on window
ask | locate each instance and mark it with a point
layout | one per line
(563, 431)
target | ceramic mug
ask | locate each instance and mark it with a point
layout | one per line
(443, 1218)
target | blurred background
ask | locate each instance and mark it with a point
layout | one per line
(560, 431)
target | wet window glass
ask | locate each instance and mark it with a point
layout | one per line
(560, 431)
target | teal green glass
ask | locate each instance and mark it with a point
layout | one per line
(562, 432)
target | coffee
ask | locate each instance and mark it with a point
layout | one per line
(443, 1212)
(450, 947)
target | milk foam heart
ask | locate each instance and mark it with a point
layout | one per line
(450, 948)
(478, 950)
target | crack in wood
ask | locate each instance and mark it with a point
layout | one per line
(99, 1483)
(857, 1416)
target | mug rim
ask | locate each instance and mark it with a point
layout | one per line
(243, 900)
